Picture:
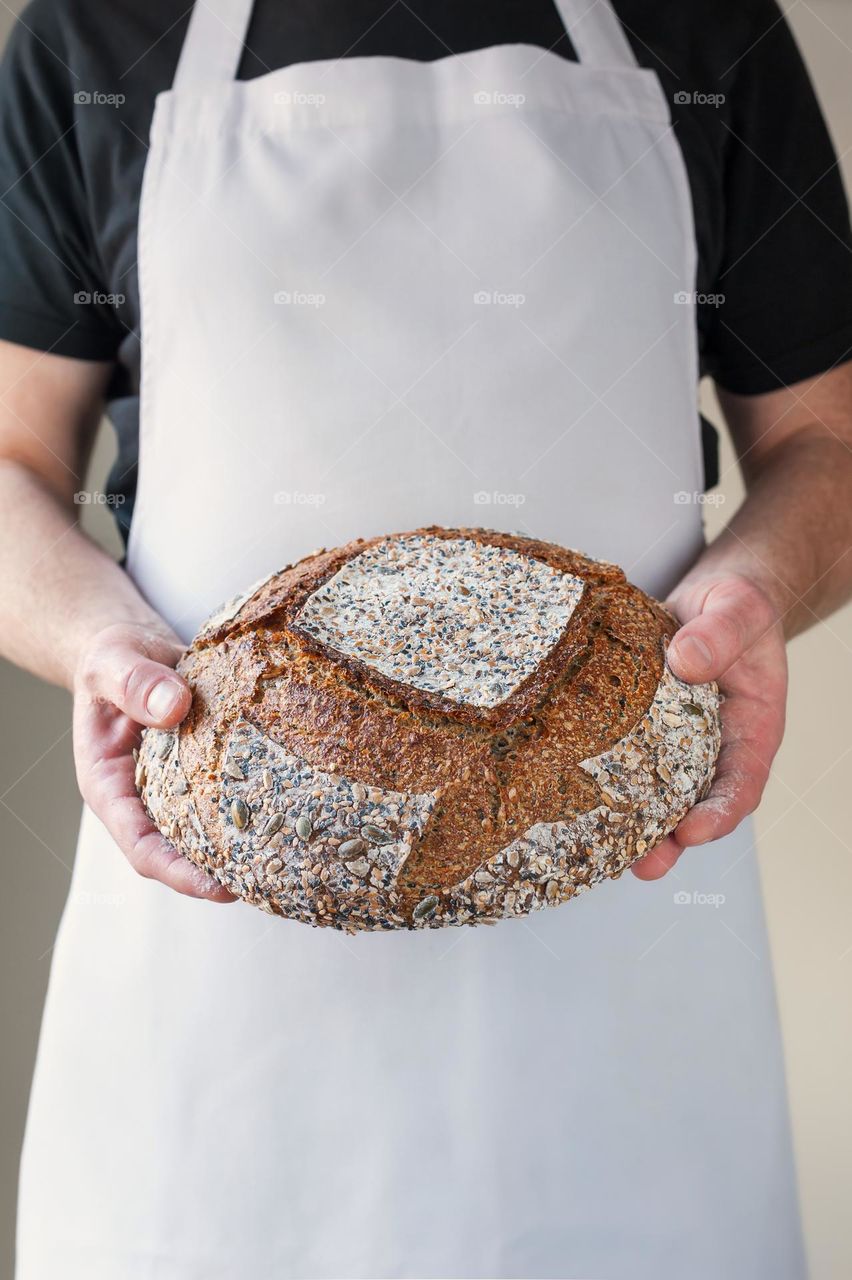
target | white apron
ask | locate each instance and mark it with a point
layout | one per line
(377, 294)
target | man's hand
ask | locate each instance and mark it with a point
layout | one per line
(786, 554)
(732, 634)
(125, 680)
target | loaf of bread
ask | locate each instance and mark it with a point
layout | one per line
(444, 727)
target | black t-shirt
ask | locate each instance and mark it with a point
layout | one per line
(77, 89)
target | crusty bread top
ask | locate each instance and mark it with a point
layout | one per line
(277, 602)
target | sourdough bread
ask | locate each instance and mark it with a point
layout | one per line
(433, 728)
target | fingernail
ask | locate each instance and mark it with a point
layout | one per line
(163, 699)
(694, 652)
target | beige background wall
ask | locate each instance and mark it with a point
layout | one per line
(804, 825)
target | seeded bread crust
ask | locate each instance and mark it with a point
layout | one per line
(319, 788)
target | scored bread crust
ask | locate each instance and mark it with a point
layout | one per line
(319, 788)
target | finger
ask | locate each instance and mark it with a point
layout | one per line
(752, 731)
(659, 861)
(734, 616)
(740, 779)
(154, 858)
(148, 691)
(110, 792)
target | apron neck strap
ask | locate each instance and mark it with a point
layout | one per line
(596, 34)
(213, 43)
(217, 30)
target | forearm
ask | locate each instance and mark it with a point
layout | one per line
(792, 536)
(57, 588)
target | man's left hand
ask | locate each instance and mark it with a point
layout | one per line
(731, 632)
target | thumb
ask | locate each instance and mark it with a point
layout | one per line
(728, 618)
(132, 669)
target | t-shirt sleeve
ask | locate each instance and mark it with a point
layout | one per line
(52, 295)
(783, 307)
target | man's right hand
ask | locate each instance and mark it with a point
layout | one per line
(124, 680)
(70, 614)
